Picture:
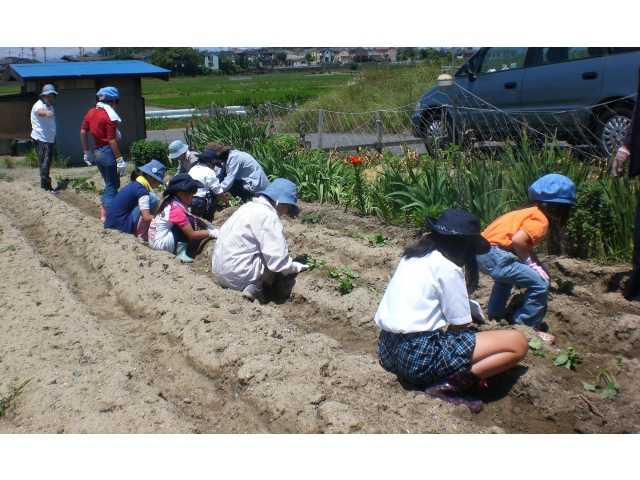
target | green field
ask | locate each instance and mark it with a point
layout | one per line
(187, 92)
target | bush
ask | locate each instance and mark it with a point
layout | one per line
(142, 152)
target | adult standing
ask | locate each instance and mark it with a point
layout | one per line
(185, 157)
(43, 134)
(102, 121)
(630, 149)
(240, 174)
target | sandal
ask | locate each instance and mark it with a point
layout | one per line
(473, 404)
(546, 337)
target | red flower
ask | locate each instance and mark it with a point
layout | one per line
(355, 160)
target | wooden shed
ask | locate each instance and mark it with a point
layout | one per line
(76, 84)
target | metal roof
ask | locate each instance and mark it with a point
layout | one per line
(34, 71)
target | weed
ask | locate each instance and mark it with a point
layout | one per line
(345, 286)
(6, 400)
(8, 162)
(61, 162)
(31, 159)
(373, 239)
(569, 359)
(309, 260)
(10, 248)
(7, 178)
(371, 289)
(619, 359)
(611, 387)
(215, 305)
(565, 286)
(535, 344)
(312, 219)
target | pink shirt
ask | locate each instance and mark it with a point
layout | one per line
(160, 237)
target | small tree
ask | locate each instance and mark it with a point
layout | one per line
(281, 57)
(308, 57)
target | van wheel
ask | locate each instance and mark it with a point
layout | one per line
(611, 128)
(436, 131)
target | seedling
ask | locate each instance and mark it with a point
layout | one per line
(379, 239)
(611, 387)
(312, 219)
(568, 359)
(619, 359)
(345, 286)
(235, 201)
(333, 272)
(6, 400)
(371, 289)
(565, 286)
(535, 344)
(10, 248)
(373, 239)
(347, 271)
(8, 162)
(215, 305)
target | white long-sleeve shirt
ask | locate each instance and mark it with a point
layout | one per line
(242, 166)
(250, 240)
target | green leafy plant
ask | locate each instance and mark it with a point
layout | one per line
(31, 159)
(236, 201)
(345, 286)
(8, 162)
(309, 260)
(565, 286)
(611, 386)
(7, 399)
(312, 219)
(535, 344)
(569, 359)
(333, 273)
(79, 184)
(5, 177)
(349, 273)
(142, 152)
(215, 305)
(619, 359)
(61, 162)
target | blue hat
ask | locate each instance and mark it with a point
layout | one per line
(283, 191)
(209, 156)
(48, 90)
(177, 148)
(553, 188)
(460, 223)
(108, 94)
(154, 168)
(181, 182)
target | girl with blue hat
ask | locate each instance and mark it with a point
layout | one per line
(133, 207)
(252, 248)
(512, 260)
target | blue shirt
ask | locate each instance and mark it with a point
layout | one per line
(242, 166)
(119, 215)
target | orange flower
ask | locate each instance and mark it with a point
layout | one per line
(355, 160)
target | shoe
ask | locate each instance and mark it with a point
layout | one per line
(473, 404)
(54, 191)
(546, 337)
(454, 382)
(253, 293)
(181, 253)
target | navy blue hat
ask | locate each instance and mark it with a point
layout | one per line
(108, 94)
(553, 188)
(461, 224)
(182, 182)
(283, 191)
(154, 168)
(209, 156)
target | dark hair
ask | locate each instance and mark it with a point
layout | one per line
(224, 156)
(556, 213)
(454, 249)
(135, 174)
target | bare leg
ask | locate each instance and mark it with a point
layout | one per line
(497, 352)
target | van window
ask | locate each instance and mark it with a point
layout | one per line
(616, 50)
(496, 59)
(548, 55)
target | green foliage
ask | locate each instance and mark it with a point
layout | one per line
(569, 359)
(180, 60)
(31, 159)
(611, 386)
(311, 219)
(235, 201)
(61, 162)
(309, 260)
(619, 359)
(215, 305)
(349, 273)
(143, 152)
(7, 399)
(162, 123)
(10, 248)
(378, 239)
(8, 162)
(345, 286)
(535, 344)
(5, 177)
(565, 286)
(242, 132)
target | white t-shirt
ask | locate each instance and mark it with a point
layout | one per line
(44, 128)
(207, 177)
(424, 295)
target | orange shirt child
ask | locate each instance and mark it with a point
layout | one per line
(530, 220)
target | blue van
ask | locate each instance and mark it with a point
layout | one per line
(581, 94)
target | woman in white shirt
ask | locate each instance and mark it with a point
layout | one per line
(43, 134)
(424, 315)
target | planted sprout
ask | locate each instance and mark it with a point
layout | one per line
(535, 344)
(611, 386)
(345, 286)
(568, 359)
(565, 286)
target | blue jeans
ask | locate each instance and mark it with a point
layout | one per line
(507, 270)
(106, 163)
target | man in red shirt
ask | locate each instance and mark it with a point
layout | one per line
(102, 121)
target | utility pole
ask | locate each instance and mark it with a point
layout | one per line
(21, 52)
(44, 49)
(33, 53)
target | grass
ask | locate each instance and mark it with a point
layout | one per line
(7, 400)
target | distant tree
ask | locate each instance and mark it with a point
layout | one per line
(308, 57)
(281, 57)
(180, 60)
(228, 66)
(353, 66)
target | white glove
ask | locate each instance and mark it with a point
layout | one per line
(476, 311)
(213, 232)
(619, 164)
(121, 166)
(299, 267)
(537, 268)
(88, 157)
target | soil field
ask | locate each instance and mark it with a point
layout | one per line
(118, 338)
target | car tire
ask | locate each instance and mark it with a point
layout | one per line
(436, 130)
(611, 128)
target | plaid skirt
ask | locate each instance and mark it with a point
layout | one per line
(424, 357)
(201, 206)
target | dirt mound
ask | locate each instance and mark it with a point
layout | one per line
(120, 338)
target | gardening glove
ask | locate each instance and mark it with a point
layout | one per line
(213, 232)
(619, 164)
(476, 311)
(88, 157)
(121, 166)
(299, 267)
(537, 268)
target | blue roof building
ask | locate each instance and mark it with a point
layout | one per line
(76, 84)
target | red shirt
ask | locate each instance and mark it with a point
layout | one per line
(101, 127)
